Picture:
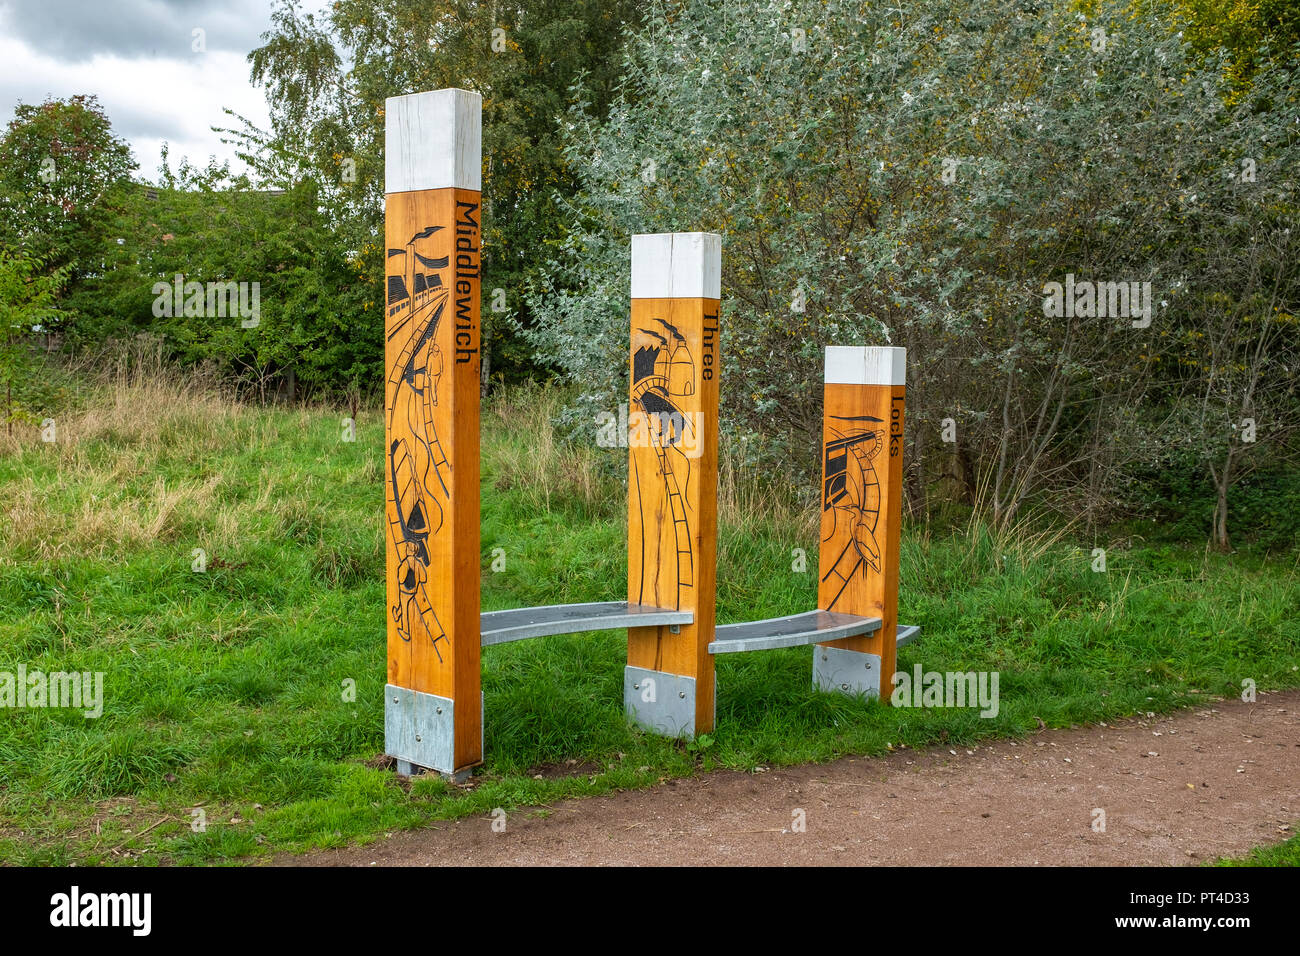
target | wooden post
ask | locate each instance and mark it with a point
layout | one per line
(673, 477)
(861, 500)
(433, 714)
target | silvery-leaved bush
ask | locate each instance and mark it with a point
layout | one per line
(823, 170)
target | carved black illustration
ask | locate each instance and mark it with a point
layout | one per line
(663, 373)
(851, 493)
(417, 465)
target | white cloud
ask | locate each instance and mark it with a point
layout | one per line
(136, 57)
(79, 29)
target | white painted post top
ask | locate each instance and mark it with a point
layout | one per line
(677, 265)
(865, 365)
(433, 140)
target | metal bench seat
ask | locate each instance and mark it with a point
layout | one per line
(516, 624)
(796, 630)
(810, 627)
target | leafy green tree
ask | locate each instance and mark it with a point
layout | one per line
(327, 79)
(311, 333)
(63, 178)
(27, 295)
(1250, 32)
(916, 177)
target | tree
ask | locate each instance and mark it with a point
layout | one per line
(276, 250)
(920, 177)
(63, 178)
(1252, 33)
(327, 80)
(27, 297)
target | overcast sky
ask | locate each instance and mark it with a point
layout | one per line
(138, 57)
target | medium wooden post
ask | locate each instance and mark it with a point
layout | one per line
(861, 499)
(673, 477)
(433, 715)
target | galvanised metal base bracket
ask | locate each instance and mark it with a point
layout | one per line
(841, 671)
(660, 702)
(420, 732)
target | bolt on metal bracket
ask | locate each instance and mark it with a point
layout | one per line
(660, 702)
(420, 732)
(842, 671)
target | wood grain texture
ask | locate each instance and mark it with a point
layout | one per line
(433, 140)
(672, 485)
(677, 265)
(862, 483)
(866, 365)
(431, 461)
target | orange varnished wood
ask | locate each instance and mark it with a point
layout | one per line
(858, 557)
(431, 444)
(672, 496)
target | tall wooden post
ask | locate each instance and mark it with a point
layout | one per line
(673, 477)
(433, 715)
(861, 501)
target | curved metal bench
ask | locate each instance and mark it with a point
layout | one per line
(516, 624)
(797, 630)
(794, 630)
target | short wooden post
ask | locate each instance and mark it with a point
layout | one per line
(861, 500)
(673, 477)
(433, 715)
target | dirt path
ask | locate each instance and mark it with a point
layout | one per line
(1176, 790)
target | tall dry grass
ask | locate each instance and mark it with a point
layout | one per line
(1029, 537)
(99, 487)
(137, 417)
(523, 451)
(526, 451)
(748, 500)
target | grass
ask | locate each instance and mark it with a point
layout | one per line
(1286, 853)
(248, 698)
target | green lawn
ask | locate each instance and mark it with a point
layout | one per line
(1286, 853)
(227, 691)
